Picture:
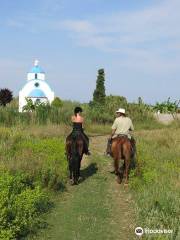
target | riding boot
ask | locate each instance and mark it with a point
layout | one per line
(108, 149)
(86, 141)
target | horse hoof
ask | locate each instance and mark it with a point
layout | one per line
(119, 180)
(116, 173)
(81, 179)
(71, 182)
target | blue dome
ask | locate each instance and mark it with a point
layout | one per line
(36, 69)
(37, 93)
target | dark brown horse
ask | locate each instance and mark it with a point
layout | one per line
(121, 149)
(74, 152)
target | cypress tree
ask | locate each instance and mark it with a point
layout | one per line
(99, 93)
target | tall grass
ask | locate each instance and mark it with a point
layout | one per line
(141, 115)
(42, 156)
(32, 164)
(9, 116)
(156, 182)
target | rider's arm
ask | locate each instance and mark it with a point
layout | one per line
(112, 133)
(131, 126)
(82, 120)
(72, 118)
(114, 127)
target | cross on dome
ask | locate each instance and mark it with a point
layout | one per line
(36, 62)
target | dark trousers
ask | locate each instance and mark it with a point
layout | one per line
(86, 142)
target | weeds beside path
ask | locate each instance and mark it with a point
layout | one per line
(98, 208)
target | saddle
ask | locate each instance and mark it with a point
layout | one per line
(132, 141)
(123, 136)
(76, 133)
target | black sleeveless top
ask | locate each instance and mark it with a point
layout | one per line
(77, 126)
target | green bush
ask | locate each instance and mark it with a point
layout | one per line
(167, 106)
(20, 205)
(42, 158)
(51, 165)
(57, 103)
(22, 199)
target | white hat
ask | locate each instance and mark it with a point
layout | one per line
(121, 110)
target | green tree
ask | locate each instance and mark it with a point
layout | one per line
(30, 106)
(57, 102)
(6, 96)
(99, 93)
(167, 106)
(112, 103)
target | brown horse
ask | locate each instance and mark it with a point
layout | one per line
(74, 152)
(121, 149)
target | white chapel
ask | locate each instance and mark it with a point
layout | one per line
(36, 87)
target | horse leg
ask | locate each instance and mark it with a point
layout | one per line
(127, 163)
(117, 172)
(127, 155)
(70, 170)
(116, 165)
(80, 150)
(75, 169)
(116, 154)
(79, 168)
(68, 154)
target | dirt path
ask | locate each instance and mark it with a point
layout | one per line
(96, 209)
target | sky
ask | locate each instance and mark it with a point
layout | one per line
(136, 42)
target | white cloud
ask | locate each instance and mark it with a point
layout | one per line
(79, 26)
(15, 24)
(144, 39)
(129, 29)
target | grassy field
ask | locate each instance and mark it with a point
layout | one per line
(155, 182)
(33, 166)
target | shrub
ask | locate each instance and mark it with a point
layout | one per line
(57, 103)
(42, 159)
(22, 198)
(6, 96)
(20, 205)
(167, 106)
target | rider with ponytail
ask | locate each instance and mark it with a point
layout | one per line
(78, 121)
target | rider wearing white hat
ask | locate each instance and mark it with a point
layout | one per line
(122, 126)
(121, 110)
